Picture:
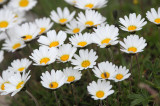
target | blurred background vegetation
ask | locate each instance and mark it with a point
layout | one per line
(149, 61)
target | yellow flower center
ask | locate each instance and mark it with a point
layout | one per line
(132, 28)
(42, 30)
(20, 85)
(27, 37)
(76, 30)
(74, 2)
(82, 44)
(105, 75)
(132, 49)
(135, 1)
(90, 23)
(85, 63)
(71, 79)
(3, 86)
(54, 44)
(16, 46)
(64, 57)
(90, 5)
(53, 85)
(21, 69)
(100, 94)
(4, 24)
(63, 20)
(23, 3)
(157, 20)
(1, 1)
(119, 76)
(44, 60)
(105, 41)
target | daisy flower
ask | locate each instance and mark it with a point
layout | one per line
(13, 44)
(100, 89)
(17, 82)
(23, 5)
(53, 39)
(90, 18)
(44, 24)
(132, 23)
(62, 16)
(105, 70)
(105, 36)
(7, 19)
(81, 40)
(2, 1)
(74, 27)
(20, 65)
(27, 31)
(66, 52)
(133, 44)
(71, 2)
(3, 36)
(154, 16)
(121, 74)
(86, 59)
(3, 80)
(1, 56)
(91, 4)
(72, 75)
(44, 55)
(54, 80)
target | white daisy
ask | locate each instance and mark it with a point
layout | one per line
(23, 5)
(91, 4)
(17, 82)
(72, 75)
(7, 19)
(13, 44)
(20, 65)
(44, 24)
(132, 23)
(3, 36)
(121, 74)
(62, 16)
(100, 89)
(44, 55)
(105, 70)
(81, 40)
(4, 79)
(66, 52)
(154, 16)
(54, 80)
(86, 59)
(90, 18)
(74, 27)
(27, 31)
(133, 44)
(1, 56)
(71, 2)
(2, 1)
(53, 39)
(105, 36)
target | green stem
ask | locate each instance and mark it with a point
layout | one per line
(58, 102)
(33, 98)
(74, 94)
(139, 75)
(131, 73)
(111, 54)
(100, 104)
(119, 92)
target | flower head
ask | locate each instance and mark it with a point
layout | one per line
(133, 44)
(100, 89)
(1, 56)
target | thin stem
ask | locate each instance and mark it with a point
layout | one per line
(100, 104)
(131, 73)
(7, 34)
(139, 76)
(89, 73)
(111, 54)
(33, 98)
(74, 94)
(119, 92)
(106, 101)
(58, 102)
(159, 32)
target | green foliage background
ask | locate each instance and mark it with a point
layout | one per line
(149, 61)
